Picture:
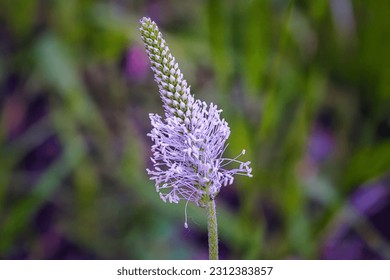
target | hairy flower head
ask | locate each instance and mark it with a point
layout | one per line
(189, 142)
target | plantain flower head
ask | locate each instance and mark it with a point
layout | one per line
(189, 142)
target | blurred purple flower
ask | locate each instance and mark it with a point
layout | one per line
(369, 200)
(321, 144)
(369, 215)
(136, 63)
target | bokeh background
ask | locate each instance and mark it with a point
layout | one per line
(305, 88)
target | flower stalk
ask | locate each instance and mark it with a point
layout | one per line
(212, 228)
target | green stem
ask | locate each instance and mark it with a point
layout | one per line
(212, 229)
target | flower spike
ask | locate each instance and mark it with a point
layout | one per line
(190, 140)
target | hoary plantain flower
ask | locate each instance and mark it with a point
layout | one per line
(189, 141)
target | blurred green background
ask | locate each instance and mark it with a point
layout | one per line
(305, 88)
